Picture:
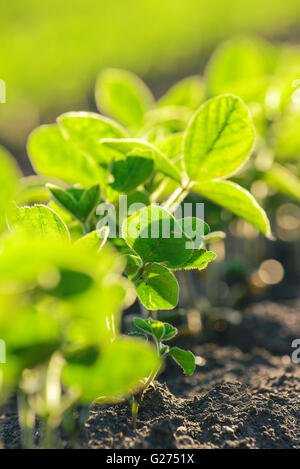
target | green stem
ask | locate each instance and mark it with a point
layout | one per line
(177, 197)
(136, 400)
(151, 377)
(156, 194)
(27, 421)
(137, 274)
(134, 411)
(49, 440)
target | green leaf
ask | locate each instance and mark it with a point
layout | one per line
(172, 146)
(188, 92)
(240, 66)
(63, 198)
(31, 336)
(214, 236)
(8, 183)
(121, 246)
(95, 239)
(184, 358)
(136, 147)
(79, 202)
(170, 118)
(287, 137)
(32, 189)
(51, 155)
(284, 180)
(155, 235)
(137, 197)
(130, 173)
(164, 350)
(38, 220)
(88, 201)
(71, 283)
(123, 96)
(133, 265)
(157, 328)
(236, 199)
(169, 331)
(194, 229)
(117, 370)
(143, 325)
(219, 139)
(199, 260)
(84, 130)
(157, 288)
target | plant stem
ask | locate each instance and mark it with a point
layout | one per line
(134, 411)
(137, 274)
(150, 379)
(136, 400)
(177, 197)
(159, 191)
(49, 439)
(26, 420)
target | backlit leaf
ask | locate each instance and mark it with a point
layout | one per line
(188, 92)
(38, 220)
(52, 155)
(157, 288)
(219, 139)
(136, 147)
(199, 260)
(129, 173)
(169, 331)
(123, 96)
(240, 66)
(236, 199)
(284, 180)
(155, 235)
(112, 373)
(184, 358)
(143, 324)
(85, 129)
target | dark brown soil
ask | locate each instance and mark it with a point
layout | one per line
(245, 395)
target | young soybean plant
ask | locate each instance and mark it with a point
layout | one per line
(157, 153)
(160, 332)
(151, 259)
(216, 143)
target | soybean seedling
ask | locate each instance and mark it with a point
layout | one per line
(160, 332)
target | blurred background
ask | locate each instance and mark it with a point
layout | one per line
(51, 51)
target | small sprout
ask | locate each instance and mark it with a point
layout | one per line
(160, 331)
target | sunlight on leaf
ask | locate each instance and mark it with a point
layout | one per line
(123, 96)
(38, 220)
(219, 139)
(157, 288)
(237, 200)
(52, 155)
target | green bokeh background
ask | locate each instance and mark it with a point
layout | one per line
(52, 50)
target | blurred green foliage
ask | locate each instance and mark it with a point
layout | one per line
(51, 51)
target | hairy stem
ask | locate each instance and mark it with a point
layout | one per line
(177, 197)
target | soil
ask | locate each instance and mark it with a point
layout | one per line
(244, 394)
